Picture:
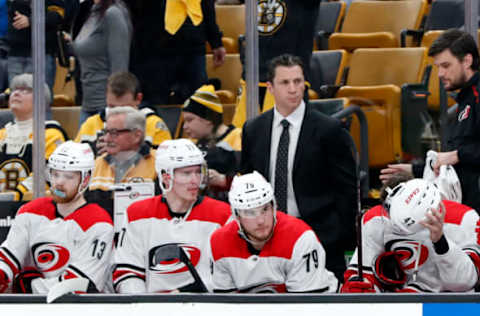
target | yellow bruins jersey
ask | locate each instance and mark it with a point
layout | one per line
(156, 131)
(16, 156)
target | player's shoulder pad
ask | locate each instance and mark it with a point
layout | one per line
(42, 206)
(52, 126)
(89, 215)
(148, 208)
(287, 232)
(211, 210)
(376, 211)
(455, 212)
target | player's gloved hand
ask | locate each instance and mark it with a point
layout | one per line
(357, 286)
(3, 281)
(23, 281)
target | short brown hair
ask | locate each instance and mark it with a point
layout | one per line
(121, 83)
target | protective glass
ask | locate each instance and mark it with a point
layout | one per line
(256, 212)
(186, 176)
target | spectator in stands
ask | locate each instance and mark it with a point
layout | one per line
(20, 39)
(456, 55)
(3, 45)
(123, 89)
(127, 157)
(16, 139)
(308, 158)
(416, 241)
(290, 257)
(285, 27)
(62, 237)
(102, 34)
(178, 221)
(170, 45)
(203, 121)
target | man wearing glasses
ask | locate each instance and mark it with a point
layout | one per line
(265, 251)
(16, 140)
(127, 157)
(123, 89)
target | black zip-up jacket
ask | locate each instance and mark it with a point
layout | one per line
(151, 38)
(464, 136)
(20, 40)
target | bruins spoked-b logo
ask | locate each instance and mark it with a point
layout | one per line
(271, 16)
(12, 172)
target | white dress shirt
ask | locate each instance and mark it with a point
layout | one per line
(295, 119)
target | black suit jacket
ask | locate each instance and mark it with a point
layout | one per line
(324, 176)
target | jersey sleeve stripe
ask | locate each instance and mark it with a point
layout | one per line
(10, 259)
(125, 271)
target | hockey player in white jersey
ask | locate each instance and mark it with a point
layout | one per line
(417, 242)
(265, 251)
(166, 239)
(59, 237)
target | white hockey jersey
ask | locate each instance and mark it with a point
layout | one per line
(293, 260)
(454, 271)
(78, 245)
(150, 230)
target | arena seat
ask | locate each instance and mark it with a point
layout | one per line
(231, 21)
(172, 116)
(229, 74)
(377, 24)
(326, 70)
(68, 117)
(375, 82)
(63, 92)
(329, 19)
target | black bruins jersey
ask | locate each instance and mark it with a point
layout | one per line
(16, 153)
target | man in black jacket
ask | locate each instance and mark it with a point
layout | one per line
(165, 55)
(456, 56)
(20, 34)
(308, 159)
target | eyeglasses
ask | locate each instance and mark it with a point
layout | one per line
(23, 90)
(255, 212)
(115, 132)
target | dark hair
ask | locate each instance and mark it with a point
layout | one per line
(391, 183)
(459, 43)
(121, 83)
(285, 60)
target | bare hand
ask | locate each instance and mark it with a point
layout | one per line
(101, 145)
(67, 37)
(387, 173)
(219, 56)
(434, 222)
(216, 179)
(445, 158)
(20, 21)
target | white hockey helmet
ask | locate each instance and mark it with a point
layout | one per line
(177, 153)
(250, 191)
(408, 203)
(72, 156)
(447, 179)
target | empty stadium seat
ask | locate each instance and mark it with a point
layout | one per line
(370, 24)
(63, 92)
(329, 18)
(326, 69)
(375, 82)
(229, 74)
(68, 117)
(231, 21)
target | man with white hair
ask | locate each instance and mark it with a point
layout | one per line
(16, 140)
(128, 158)
(165, 244)
(61, 237)
(416, 242)
(265, 250)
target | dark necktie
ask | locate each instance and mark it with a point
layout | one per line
(281, 168)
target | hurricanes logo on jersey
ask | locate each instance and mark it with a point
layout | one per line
(12, 172)
(271, 16)
(408, 252)
(50, 256)
(165, 259)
